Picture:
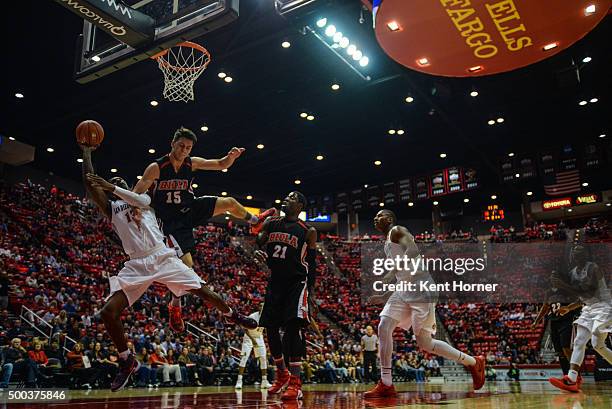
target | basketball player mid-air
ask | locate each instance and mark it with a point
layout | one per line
(587, 282)
(169, 182)
(410, 309)
(150, 261)
(289, 249)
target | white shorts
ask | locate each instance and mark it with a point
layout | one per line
(163, 267)
(596, 317)
(247, 346)
(419, 316)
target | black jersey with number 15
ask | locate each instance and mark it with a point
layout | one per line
(286, 248)
(172, 194)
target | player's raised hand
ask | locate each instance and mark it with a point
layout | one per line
(235, 153)
(261, 256)
(98, 182)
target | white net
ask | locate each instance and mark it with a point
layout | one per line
(182, 65)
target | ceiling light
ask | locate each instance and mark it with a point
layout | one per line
(12, 138)
(443, 155)
(337, 36)
(582, 103)
(224, 170)
(222, 75)
(330, 30)
(585, 184)
(319, 157)
(550, 46)
(310, 117)
(50, 150)
(423, 61)
(322, 22)
(113, 170)
(357, 55)
(391, 131)
(260, 146)
(400, 131)
(475, 68)
(393, 25)
(365, 186)
(204, 128)
(19, 95)
(286, 44)
(500, 120)
(530, 193)
(138, 177)
(297, 181)
(227, 217)
(474, 93)
(377, 162)
(603, 135)
(409, 99)
(303, 115)
(491, 122)
(435, 203)
(570, 210)
(364, 61)
(80, 160)
(344, 42)
(228, 79)
(223, 193)
(249, 197)
(466, 200)
(511, 154)
(381, 204)
(335, 87)
(410, 204)
(151, 150)
(277, 201)
(194, 185)
(517, 175)
(154, 103)
(608, 204)
(351, 49)
(493, 197)
(593, 100)
(590, 9)
(586, 59)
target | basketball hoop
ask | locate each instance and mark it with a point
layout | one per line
(182, 65)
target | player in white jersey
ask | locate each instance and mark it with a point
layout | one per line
(150, 261)
(410, 309)
(253, 340)
(588, 282)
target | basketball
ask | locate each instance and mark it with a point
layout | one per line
(89, 133)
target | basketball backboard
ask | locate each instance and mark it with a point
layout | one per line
(158, 24)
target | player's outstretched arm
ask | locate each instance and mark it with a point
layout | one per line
(132, 198)
(227, 161)
(150, 175)
(96, 194)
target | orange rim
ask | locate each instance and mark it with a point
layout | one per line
(158, 57)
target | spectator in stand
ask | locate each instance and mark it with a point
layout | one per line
(188, 368)
(159, 361)
(4, 287)
(38, 356)
(206, 366)
(146, 375)
(80, 366)
(6, 370)
(55, 355)
(16, 355)
(17, 331)
(513, 372)
(434, 367)
(490, 373)
(100, 360)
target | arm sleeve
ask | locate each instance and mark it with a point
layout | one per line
(134, 199)
(311, 259)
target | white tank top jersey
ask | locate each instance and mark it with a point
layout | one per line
(392, 250)
(137, 238)
(257, 332)
(602, 294)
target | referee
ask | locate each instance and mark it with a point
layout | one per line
(369, 346)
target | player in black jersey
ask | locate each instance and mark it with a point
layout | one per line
(561, 316)
(288, 247)
(169, 182)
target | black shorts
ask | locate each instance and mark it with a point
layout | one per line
(561, 330)
(282, 305)
(179, 232)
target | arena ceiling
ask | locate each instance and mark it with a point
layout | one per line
(272, 85)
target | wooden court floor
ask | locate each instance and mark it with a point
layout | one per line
(494, 395)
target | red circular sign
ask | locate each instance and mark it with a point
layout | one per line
(460, 38)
